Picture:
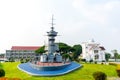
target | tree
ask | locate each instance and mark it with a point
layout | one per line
(66, 56)
(118, 56)
(77, 50)
(64, 47)
(40, 50)
(115, 53)
(107, 56)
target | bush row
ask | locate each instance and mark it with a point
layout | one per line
(114, 64)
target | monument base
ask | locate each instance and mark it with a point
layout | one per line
(26, 67)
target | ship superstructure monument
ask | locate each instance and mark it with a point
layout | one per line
(51, 62)
(52, 54)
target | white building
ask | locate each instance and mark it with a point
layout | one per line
(93, 51)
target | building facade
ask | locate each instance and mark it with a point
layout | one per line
(93, 51)
(18, 52)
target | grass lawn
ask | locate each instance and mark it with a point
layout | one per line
(84, 73)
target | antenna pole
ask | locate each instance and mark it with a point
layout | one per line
(52, 22)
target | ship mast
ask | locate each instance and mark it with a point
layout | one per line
(51, 39)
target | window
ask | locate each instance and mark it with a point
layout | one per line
(96, 56)
(95, 51)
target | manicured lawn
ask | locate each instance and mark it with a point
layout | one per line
(1, 65)
(84, 73)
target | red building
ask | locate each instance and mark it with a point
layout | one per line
(18, 52)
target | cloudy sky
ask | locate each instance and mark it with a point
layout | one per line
(25, 22)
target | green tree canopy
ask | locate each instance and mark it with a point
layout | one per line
(65, 56)
(77, 51)
(115, 52)
(107, 56)
(64, 47)
(40, 50)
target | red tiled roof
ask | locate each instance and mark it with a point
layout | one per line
(25, 47)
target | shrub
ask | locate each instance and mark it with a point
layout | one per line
(103, 60)
(91, 61)
(84, 60)
(2, 73)
(27, 60)
(114, 64)
(95, 62)
(99, 75)
(77, 60)
(21, 60)
(118, 70)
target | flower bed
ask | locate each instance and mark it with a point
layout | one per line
(5, 78)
